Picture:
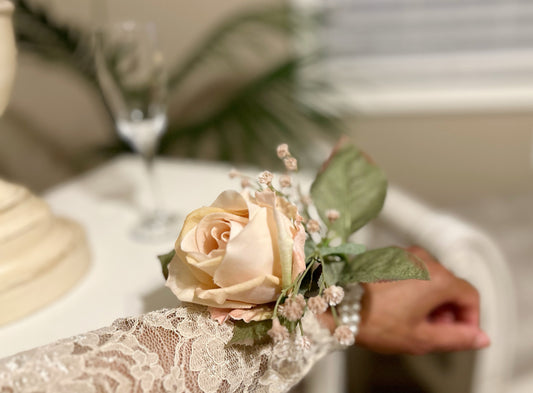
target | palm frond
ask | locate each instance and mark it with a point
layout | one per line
(258, 116)
(248, 29)
(39, 33)
(255, 114)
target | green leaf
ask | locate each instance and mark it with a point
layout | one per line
(165, 260)
(332, 271)
(309, 247)
(311, 281)
(346, 248)
(384, 264)
(254, 332)
(353, 186)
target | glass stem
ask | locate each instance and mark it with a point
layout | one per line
(155, 205)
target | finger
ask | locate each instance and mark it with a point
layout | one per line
(453, 337)
(466, 300)
(447, 313)
(456, 292)
(468, 314)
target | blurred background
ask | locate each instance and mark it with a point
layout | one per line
(439, 93)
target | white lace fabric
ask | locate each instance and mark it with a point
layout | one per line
(177, 350)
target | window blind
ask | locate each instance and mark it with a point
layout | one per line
(403, 27)
(428, 45)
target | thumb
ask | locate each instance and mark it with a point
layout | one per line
(455, 336)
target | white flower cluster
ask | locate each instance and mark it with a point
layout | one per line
(293, 310)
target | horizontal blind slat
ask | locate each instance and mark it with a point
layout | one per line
(381, 27)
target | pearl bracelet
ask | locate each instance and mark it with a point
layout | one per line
(350, 307)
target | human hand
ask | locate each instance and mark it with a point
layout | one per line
(417, 317)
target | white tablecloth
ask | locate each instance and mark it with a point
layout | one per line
(125, 276)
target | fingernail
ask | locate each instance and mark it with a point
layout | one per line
(482, 340)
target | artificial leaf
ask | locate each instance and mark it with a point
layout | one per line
(346, 248)
(332, 271)
(352, 185)
(310, 247)
(321, 281)
(165, 260)
(310, 282)
(248, 333)
(384, 264)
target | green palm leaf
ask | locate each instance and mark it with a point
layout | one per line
(255, 114)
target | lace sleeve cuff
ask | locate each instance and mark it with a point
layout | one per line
(178, 350)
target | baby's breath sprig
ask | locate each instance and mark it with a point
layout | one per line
(266, 178)
(246, 181)
(290, 162)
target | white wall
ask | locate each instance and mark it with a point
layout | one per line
(451, 158)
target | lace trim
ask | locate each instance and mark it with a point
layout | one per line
(178, 350)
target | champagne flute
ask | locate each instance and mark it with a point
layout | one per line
(132, 77)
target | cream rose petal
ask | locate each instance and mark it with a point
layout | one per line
(249, 255)
(253, 207)
(233, 201)
(259, 313)
(219, 223)
(205, 269)
(190, 245)
(285, 247)
(298, 251)
(266, 198)
(220, 315)
(259, 290)
(210, 232)
(281, 230)
(236, 228)
(253, 314)
(192, 220)
(184, 285)
(180, 280)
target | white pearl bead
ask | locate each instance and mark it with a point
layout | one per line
(351, 306)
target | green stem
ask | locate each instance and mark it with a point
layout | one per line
(282, 294)
(335, 315)
(278, 192)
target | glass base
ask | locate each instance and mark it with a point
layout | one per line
(157, 226)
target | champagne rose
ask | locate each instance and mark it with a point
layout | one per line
(238, 253)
